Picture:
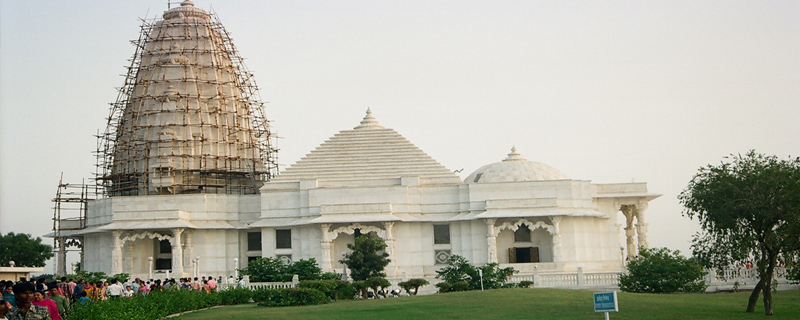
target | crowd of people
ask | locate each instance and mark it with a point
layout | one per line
(38, 299)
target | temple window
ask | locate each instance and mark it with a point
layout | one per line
(283, 239)
(523, 234)
(164, 246)
(254, 241)
(441, 234)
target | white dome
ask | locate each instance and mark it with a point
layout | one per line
(515, 168)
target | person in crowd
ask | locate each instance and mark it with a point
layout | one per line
(115, 290)
(70, 287)
(3, 309)
(26, 310)
(212, 284)
(63, 286)
(196, 285)
(8, 295)
(89, 289)
(135, 286)
(40, 299)
(206, 288)
(128, 292)
(76, 291)
(61, 302)
(241, 283)
(84, 299)
(144, 288)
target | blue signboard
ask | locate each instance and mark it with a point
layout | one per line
(606, 302)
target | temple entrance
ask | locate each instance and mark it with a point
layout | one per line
(523, 255)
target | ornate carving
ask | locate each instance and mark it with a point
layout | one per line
(515, 226)
(351, 229)
(146, 234)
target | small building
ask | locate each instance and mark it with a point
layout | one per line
(17, 273)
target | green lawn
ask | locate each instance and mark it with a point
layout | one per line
(522, 304)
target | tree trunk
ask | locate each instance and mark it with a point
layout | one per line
(751, 303)
(767, 287)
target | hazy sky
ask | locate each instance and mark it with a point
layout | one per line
(608, 91)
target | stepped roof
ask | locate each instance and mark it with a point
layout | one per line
(368, 151)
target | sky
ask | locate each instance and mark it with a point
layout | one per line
(607, 91)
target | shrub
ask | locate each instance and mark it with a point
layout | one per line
(460, 286)
(660, 270)
(152, 306)
(296, 297)
(444, 287)
(508, 286)
(235, 296)
(525, 284)
(274, 270)
(328, 287)
(263, 294)
(361, 288)
(367, 260)
(413, 284)
(458, 269)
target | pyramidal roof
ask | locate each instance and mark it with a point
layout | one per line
(368, 151)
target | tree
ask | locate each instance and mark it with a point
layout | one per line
(24, 250)
(460, 275)
(412, 285)
(660, 270)
(367, 259)
(749, 210)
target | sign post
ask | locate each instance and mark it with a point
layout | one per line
(606, 302)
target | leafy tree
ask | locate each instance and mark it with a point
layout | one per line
(660, 270)
(378, 282)
(749, 210)
(367, 259)
(460, 275)
(24, 250)
(413, 284)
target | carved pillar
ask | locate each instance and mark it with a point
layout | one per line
(556, 238)
(116, 252)
(326, 263)
(177, 253)
(491, 241)
(630, 232)
(641, 224)
(187, 247)
(392, 267)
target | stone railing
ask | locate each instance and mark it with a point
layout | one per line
(725, 280)
(255, 285)
(569, 280)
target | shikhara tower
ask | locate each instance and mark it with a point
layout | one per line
(188, 118)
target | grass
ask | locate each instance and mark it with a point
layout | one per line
(522, 304)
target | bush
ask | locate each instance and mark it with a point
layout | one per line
(443, 287)
(361, 288)
(296, 297)
(328, 287)
(235, 296)
(152, 306)
(460, 270)
(274, 270)
(508, 286)
(525, 284)
(263, 294)
(413, 284)
(660, 270)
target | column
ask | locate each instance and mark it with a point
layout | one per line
(187, 247)
(177, 253)
(62, 256)
(641, 224)
(116, 252)
(556, 238)
(326, 243)
(628, 211)
(392, 267)
(491, 241)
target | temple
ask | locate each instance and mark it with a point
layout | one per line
(189, 185)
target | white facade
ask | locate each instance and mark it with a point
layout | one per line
(372, 179)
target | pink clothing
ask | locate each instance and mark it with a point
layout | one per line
(51, 306)
(212, 284)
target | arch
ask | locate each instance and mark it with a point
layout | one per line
(146, 234)
(532, 226)
(351, 229)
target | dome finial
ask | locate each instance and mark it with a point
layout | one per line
(514, 155)
(187, 3)
(369, 121)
